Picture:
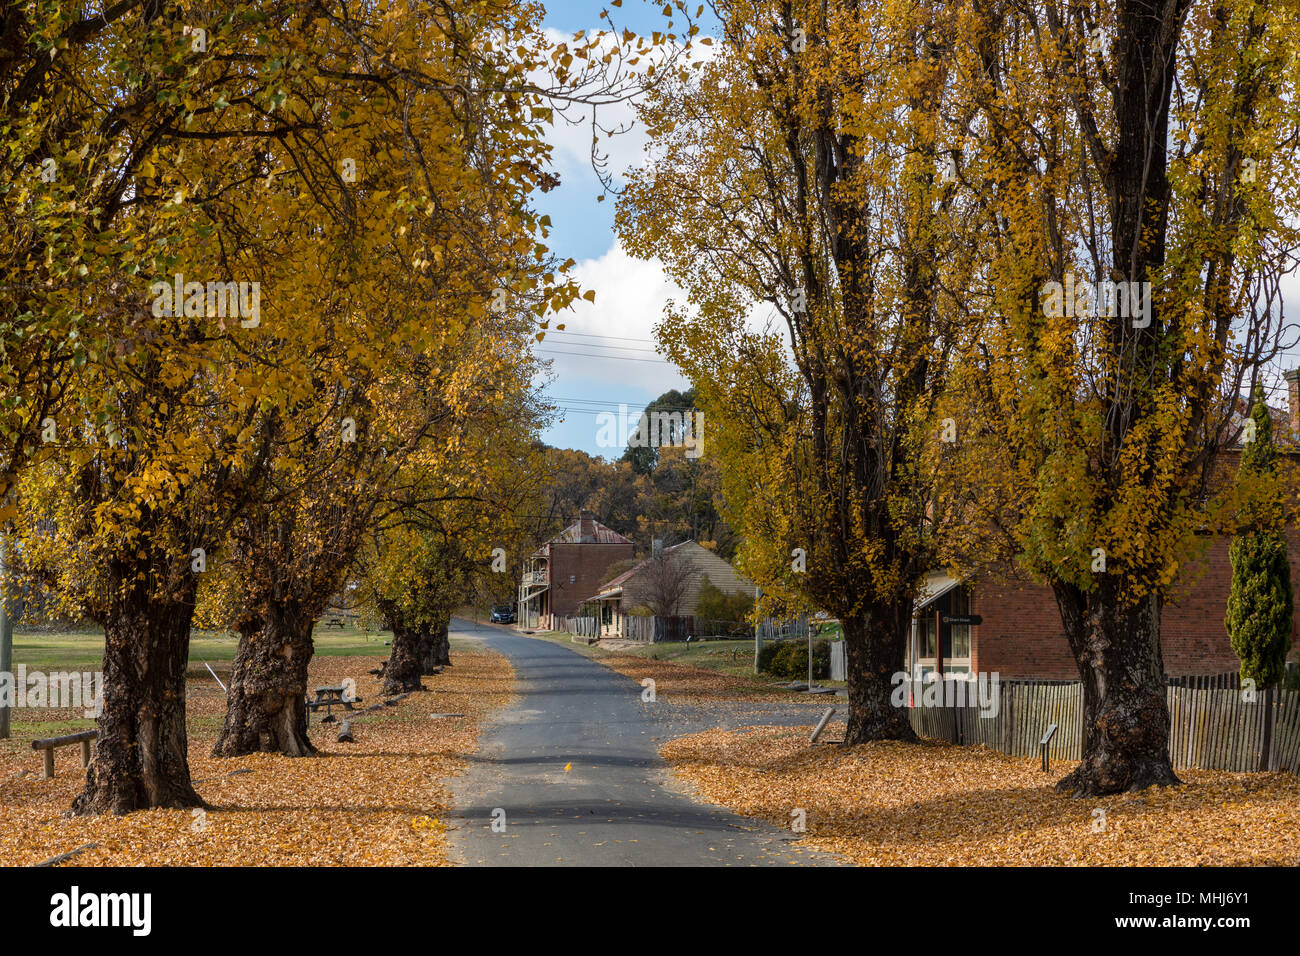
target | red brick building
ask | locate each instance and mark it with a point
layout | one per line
(1020, 632)
(568, 569)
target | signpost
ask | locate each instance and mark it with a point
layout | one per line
(1046, 743)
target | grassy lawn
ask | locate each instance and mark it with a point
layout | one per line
(84, 650)
(732, 658)
(729, 657)
(382, 800)
(75, 651)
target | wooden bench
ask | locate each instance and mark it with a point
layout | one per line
(333, 622)
(49, 743)
(328, 697)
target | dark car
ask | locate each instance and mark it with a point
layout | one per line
(503, 614)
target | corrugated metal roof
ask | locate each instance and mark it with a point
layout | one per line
(619, 581)
(600, 534)
(603, 535)
(623, 578)
(935, 586)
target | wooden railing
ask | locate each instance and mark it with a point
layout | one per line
(48, 744)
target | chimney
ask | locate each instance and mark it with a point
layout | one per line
(586, 527)
(1293, 400)
(657, 547)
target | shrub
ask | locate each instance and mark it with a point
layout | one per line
(789, 659)
(718, 605)
(765, 655)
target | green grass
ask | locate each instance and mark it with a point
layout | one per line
(734, 658)
(728, 657)
(830, 632)
(84, 650)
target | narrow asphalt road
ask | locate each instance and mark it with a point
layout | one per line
(571, 775)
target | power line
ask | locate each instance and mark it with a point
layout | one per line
(604, 401)
(622, 358)
(594, 335)
(584, 346)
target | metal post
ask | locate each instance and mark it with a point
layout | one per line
(821, 724)
(809, 627)
(6, 638)
(1045, 745)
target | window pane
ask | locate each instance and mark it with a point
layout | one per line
(960, 640)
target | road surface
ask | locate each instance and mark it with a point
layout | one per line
(571, 771)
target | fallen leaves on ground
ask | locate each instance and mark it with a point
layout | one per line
(380, 801)
(938, 804)
(697, 685)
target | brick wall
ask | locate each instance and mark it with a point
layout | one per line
(586, 564)
(1021, 634)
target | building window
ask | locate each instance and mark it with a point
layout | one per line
(956, 638)
(927, 638)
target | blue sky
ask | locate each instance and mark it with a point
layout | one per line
(606, 355)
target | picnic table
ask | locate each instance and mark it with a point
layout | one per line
(329, 697)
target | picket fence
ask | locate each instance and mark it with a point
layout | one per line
(1212, 724)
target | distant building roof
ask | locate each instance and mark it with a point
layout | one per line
(616, 584)
(585, 530)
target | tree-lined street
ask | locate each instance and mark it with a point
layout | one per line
(575, 768)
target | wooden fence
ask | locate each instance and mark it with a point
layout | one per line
(1212, 725)
(1012, 719)
(705, 629)
(653, 630)
(579, 626)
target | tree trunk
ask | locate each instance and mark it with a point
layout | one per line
(1116, 647)
(435, 648)
(141, 758)
(875, 645)
(266, 704)
(402, 672)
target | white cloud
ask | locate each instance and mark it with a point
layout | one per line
(630, 299)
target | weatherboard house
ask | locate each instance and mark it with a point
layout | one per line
(635, 588)
(559, 575)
